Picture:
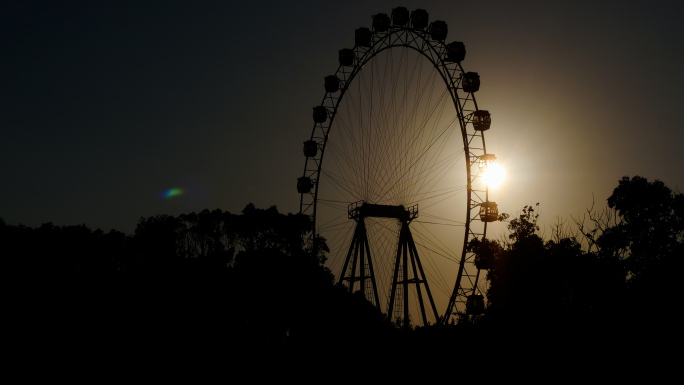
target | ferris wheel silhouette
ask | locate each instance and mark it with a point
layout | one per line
(393, 171)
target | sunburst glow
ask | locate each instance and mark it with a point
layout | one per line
(494, 175)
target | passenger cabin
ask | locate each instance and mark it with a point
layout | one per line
(304, 185)
(332, 83)
(320, 114)
(489, 211)
(475, 304)
(484, 260)
(419, 19)
(482, 120)
(346, 56)
(455, 52)
(486, 160)
(362, 37)
(438, 30)
(381, 22)
(470, 82)
(400, 16)
(310, 148)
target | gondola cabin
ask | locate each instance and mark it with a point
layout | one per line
(419, 19)
(482, 120)
(455, 52)
(332, 83)
(438, 30)
(475, 304)
(381, 22)
(486, 160)
(320, 114)
(470, 82)
(400, 16)
(489, 211)
(310, 148)
(304, 185)
(483, 261)
(346, 57)
(362, 37)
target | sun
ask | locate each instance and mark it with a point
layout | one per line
(494, 175)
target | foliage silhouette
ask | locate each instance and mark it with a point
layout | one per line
(548, 283)
(247, 280)
(642, 228)
(624, 265)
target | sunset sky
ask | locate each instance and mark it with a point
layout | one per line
(109, 113)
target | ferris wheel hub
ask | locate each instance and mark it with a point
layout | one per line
(362, 209)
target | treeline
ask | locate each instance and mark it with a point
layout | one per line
(616, 268)
(249, 281)
(245, 280)
(209, 240)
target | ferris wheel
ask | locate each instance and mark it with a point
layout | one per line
(393, 171)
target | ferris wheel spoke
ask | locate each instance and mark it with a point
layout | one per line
(391, 183)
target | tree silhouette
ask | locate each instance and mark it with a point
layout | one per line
(618, 271)
(652, 225)
(254, 273)
(250, 280)
(548, 283)
(649, 237)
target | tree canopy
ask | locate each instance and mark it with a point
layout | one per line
(618, 263)
(249, 279)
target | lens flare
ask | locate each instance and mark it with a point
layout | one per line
(493, 175)
(172, 192)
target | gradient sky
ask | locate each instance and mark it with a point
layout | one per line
(106, 108)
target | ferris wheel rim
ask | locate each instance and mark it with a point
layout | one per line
(434, 51)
